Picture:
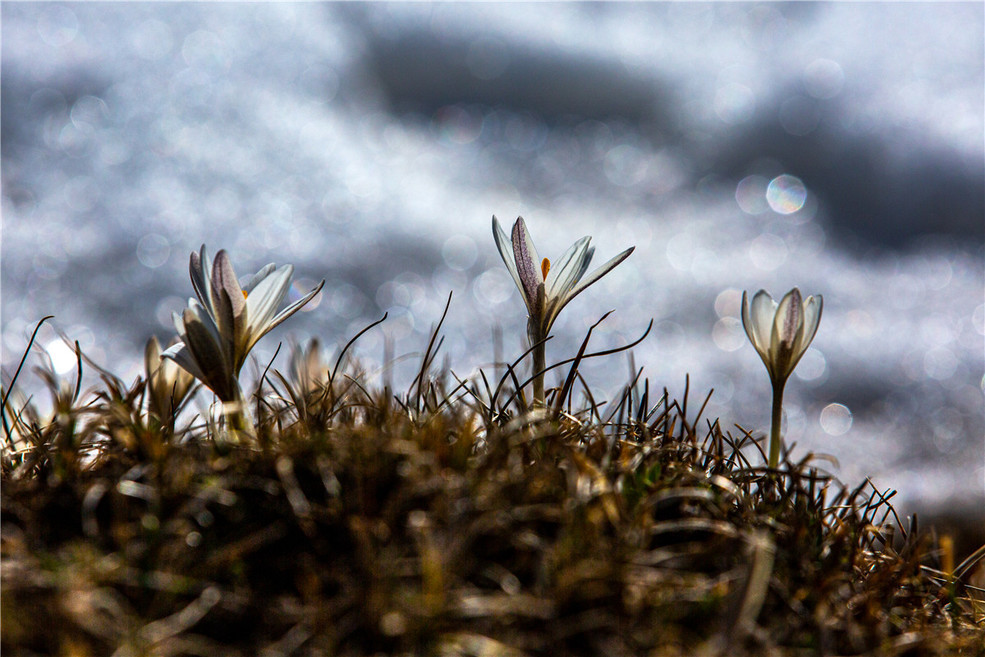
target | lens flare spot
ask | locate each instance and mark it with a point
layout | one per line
(728, 303)
(456, 125)
(63, 358)
(492, 287)
(812, 366)
(58, 26)
(153, 250)
(768, 251)
(836, 419)
(459, 252)
(346, 300)
(750, 194)
(735, 103)
(728, 334)
(786, 194)
(978, 319)
(940, 363)
(824, 78)
(625, 165)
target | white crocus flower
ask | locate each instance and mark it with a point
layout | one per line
(546, 289)
(221, 326)
(308, 370)
(781, 333)
(167, 383)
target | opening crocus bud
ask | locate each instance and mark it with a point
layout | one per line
(781, 333)
(546, 290)
(221, 326)
(167, 383)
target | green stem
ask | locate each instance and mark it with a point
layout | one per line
(777, 419)
(536, 337)
(241, 430)
(540, 361)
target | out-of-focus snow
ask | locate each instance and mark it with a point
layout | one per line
(837, 147)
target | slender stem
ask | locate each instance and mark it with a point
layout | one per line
(536, 338)
(539, 365)
(240, 427)
(777, 419)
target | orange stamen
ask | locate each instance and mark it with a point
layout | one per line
(244, 294)
(545, 267)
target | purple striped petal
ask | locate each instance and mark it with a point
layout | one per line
(527, 262)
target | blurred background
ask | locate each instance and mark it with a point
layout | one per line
(837, 147)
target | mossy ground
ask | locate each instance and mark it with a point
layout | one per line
(453, 519)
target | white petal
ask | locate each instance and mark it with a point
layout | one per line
(557, 303)
(224, 280)
(201, 275)
(552, 308)
(179, 324)
(586, 261)
(762, 312)
(182, 355)
(506, 253)
(251, 282)
(812, 319)
(210, 354)
(564, 273)
(152, 355)
(284, 314)
(199, 314)
(261, 304)
(598, 273)
(789, 319)
(747, 320)
(528, 264)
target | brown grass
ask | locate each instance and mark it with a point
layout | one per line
(450, 520)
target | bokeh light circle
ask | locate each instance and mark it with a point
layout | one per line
(836, 419)
(728, 334)
(812, 366)
(735, 103)
(492, 287)
(58, 26)
(750, 194)
(63, 357)
(459, 252)
(299, 288)
(824, 78)
(768, 251)
(786, 194)
(153, 250)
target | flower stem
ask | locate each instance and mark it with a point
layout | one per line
(539, 365)
(774, 459)
(539, 359)
(241, 429)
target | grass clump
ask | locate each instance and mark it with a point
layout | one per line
(453, 519)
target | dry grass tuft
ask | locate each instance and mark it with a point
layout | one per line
(450, 520)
